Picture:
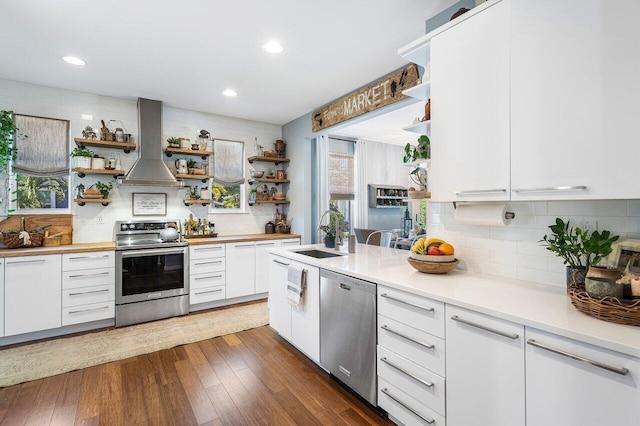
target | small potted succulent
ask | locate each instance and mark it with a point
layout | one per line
(83, 157)
(104, 188)
(191, 165)
(173, 142)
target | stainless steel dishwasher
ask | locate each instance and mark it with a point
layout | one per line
(348, 332)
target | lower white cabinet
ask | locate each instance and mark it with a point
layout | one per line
(241, 269)
(485, 370)
(207, 276)
(299, 324)
(262, 263)
(1, 297)
(33, 293)
(571, 383)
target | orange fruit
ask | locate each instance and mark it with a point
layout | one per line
(446, 249)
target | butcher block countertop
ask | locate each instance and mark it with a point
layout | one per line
(240, 238)
(70, 248)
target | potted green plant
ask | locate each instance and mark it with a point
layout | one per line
(8, 131)
(413, 154)
(579, 249)
(330, 229)
(173, 142)
(83, 157)
(191, 165)
(104, 188)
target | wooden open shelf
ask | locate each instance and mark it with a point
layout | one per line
(276, 160)
(276, 202)
(83, 172)
(83, 201)
(126, 146)
(266, 180)
(203, 154)
(201, 202)
(203, 178)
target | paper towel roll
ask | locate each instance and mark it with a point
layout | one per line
(482, 214)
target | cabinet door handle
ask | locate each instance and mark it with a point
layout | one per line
(88, 275)
(480, 191)
(209, 291)
(88, 310)
(244, 245)
(415, 305)
(280, 263)
(106, 290)
(482, 327)
(621, 371)
(215, 262)
(88, 257)
(206, 248)
(402, 370)
(14, 262)
(553, 188)
(265, 244)
(386, 392)
(404, 336)
(209, 276)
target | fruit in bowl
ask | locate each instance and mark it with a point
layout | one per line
(432, 250)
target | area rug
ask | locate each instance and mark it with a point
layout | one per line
(44, 359)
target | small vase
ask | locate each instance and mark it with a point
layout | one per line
(105, 194)
(330, 241)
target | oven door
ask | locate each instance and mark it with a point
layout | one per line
(151, 274)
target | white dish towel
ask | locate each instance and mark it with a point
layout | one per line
(296, 283)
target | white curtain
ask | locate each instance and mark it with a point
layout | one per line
(361, 210)
(322, 190)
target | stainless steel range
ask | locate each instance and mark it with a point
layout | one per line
(152, 271)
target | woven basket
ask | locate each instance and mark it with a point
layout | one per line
(608, 308)
(14, 241)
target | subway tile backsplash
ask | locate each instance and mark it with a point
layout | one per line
(514, 251)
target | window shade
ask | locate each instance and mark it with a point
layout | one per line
(45, 150)
(341, 177)
(228, 162)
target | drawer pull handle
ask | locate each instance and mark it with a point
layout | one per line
(210, 291)
(415, 305)
(404, 336)
(209, 263)
(281, 263)
(482, 327)
(88, 257)
(12, 262)
(207, 277)
(402, 370)
(206, 248)
(386, 392)
(106, 290)
(553, 188)
(88, 275)
(265, 244)
(88, 310)
(480, 191)
(621, 371)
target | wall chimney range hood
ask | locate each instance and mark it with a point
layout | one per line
(150, 170)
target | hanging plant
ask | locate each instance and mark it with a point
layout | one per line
(8, 132)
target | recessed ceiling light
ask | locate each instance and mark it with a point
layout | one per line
(273, 47)
(230, 93)
(73, 60)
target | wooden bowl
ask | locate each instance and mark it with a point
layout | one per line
(433, 267)
(432, 258)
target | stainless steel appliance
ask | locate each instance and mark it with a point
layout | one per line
(152, 271)
(348, 332)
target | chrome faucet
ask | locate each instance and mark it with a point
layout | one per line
(338, 238)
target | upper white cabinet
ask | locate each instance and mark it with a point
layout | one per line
(574, 99)
(470, 108)
(575, 384)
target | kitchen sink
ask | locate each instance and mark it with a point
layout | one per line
(318, 254)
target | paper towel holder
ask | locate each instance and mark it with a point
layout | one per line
(507, 215)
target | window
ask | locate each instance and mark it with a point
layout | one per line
(227, 184)
(341, 182)
(42, 165)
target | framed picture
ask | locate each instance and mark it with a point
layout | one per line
(149, 204)
(625, 253)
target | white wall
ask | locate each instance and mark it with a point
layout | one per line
(54, 103)
(514, 251)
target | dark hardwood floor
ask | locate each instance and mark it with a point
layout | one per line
(246, 378)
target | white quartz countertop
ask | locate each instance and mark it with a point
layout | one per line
(533, 305)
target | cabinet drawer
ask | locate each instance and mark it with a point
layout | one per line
(78, 261)
(291, 242)
(203, 266)
(415, 345)
(405, 408)
(206, 251)
(211, 279)
(415, 311)
(88, 278)
(422, 384)
(207, 294)
(88, 313)
(88, 295)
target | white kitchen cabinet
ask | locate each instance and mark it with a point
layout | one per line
(88, 260)
(290, 242)
(574, 99)
(470, 109)
(485, 370)
(33, 293)
(1, 297)
(206, 251)
(299, 324)
(571, 383)
(207, 273)
(240, 269)
(262, 263)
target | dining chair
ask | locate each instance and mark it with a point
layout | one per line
(383, 238)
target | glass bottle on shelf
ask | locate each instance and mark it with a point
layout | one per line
(118, 163)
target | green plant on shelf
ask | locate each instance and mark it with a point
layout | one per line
(81, 151)
(8, 133)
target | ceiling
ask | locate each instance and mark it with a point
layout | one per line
(186, 53)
